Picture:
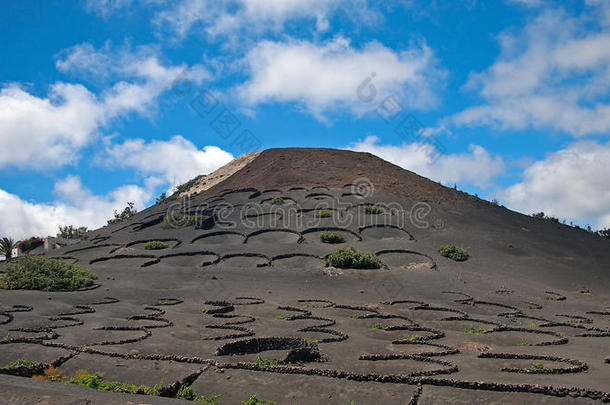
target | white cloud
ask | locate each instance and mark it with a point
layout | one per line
(477, 167)
(555, 74)
(176, 161)
(327, 76)
(76, 205)
(39, 132)
(42, 132)
(572, 183)
(528, 3)
(256, 16)
(105, 7)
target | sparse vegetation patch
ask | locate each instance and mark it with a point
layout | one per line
(372, 210)
(253, 400)
(41, 273)
(177, 220)
(323, 214)
(350, 258)
(378, 326)
(332, 237)
(261, 361)
(453, 252)
(97, 382)
(21, 362)
(474, 331)
(186, 393)
(277, 200)
(155, 245)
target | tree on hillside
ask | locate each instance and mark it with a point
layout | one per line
(72, 232)
(161, 198)
(127, 212)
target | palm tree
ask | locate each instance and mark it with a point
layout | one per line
(6, 247)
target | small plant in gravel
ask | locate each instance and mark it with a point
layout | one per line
(178, 220)
(277, 200)
(474, 331)
(537, 366)
(332, 237)
(350, 258)
(378, 326)
(313, 306)
(155, 245)
(281, 317)
(532, 325)
(253, 400)
(453, 252)
(323, 214)
(41, 273)
(261, 361)
(187, 394)
(310, 340)
(354, 316)
(523, 344)
(204, 310)
(21, 362)
(372, 210)
(412, 338)
(97, 382)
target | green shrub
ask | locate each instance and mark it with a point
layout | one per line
(371, 209)
(378, 326)
(253, 400)
(155, 245)
(97, 382)
(277, 200)
(186, 393)
(323, 214)
(332, 237)
(261, 361)
(22, 362)
(41, 273)
(350, 258)
(537, 366)
(453, 252)
(474, 331)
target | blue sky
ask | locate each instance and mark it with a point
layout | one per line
(108, 101)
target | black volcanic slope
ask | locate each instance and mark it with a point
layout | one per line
(242, 301)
